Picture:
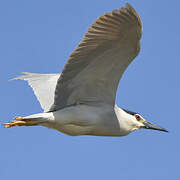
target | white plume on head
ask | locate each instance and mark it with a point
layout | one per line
(43, 86)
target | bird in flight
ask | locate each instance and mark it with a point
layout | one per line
(81, 100)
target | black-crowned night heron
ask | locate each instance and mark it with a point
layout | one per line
(81, 101)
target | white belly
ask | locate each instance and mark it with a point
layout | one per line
(86, 120)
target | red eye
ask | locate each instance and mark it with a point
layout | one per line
(137, 117)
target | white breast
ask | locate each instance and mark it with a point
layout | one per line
(76, 120)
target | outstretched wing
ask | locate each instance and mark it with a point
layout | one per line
(93, 70)
(43, 86)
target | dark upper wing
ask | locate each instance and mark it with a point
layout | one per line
(94, 68)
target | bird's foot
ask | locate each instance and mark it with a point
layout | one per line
(19, 121)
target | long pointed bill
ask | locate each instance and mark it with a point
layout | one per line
(148, 125)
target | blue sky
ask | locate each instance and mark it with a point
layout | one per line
(38, 36)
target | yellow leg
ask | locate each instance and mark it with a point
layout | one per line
(19, 121)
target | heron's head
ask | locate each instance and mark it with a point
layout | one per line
(138, 122)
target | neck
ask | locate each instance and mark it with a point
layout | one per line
(127, 121)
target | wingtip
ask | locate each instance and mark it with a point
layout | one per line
(130, 8)
(21, 77)
(128, 5)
